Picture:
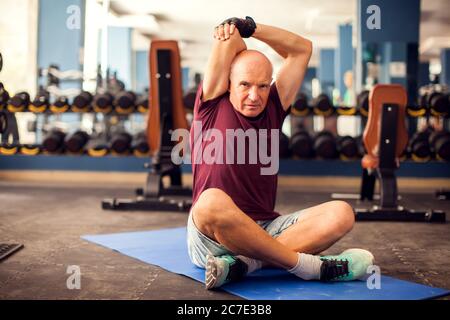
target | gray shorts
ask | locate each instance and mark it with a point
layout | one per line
(199, 245)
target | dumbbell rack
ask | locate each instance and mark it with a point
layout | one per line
(69, 109)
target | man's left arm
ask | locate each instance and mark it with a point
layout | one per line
(296, 52)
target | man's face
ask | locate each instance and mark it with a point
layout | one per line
(250, 80)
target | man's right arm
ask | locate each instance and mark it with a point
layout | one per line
(216, 78)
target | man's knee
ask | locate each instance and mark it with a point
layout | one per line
(343, 215)
(210, 209)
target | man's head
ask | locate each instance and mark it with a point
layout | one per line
(250, 78)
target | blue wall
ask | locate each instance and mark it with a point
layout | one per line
(119, 53)
(325, 71)
(400, 20)
(445, 61)
(306, 87)
(343, 57)
(141, 70)
(57, 44)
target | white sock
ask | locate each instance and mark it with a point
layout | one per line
(307, 267)
(252, 264)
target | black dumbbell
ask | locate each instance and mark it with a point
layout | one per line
(440, 144)
(302, 144)
(142, 104)
(346, 111)
(9, 149)
(82, 102)
(30, 149)
(139, 145)
(325, 145)
(416, 111)
(322, 105)
(97, 146)
(54, 141)
(347, 148)
(419, 146)
(362, 103)
(4, 97)
(300, 107)
(120, 143)
(19, 102)
(103, 102)
(40, 103)
(61, 104)
(76, 141)
(438, 103)
(124, 102)
(285, 151)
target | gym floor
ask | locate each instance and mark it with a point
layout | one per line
(50, 218)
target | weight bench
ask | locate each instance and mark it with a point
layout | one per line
(166, 113)
(385, 138)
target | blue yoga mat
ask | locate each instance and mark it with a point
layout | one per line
(167, 249)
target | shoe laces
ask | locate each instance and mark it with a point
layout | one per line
(333, 269)
(237, 270)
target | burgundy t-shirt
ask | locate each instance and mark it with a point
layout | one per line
(253, 192)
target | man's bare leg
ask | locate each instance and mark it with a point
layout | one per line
(319, 227)
(217, 216)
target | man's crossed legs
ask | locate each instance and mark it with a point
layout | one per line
(228, 244)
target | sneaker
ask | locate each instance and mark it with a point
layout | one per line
(223, 269)
(350, 265)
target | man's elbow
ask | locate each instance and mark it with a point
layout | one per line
(308, 47)
(304, 49)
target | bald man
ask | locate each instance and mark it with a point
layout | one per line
(232, 228)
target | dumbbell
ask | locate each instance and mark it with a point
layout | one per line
(322, 105)
(142, 104)
(139, 145)
(419, 146)
(30, 149)
(103, 102)
(346, 111)
(19, 102)
(75, 142)
(416, 111)
(438, 103)
(284, 148)
(124, 102)
(440, 144)
(347, 147)
(40, 103)
(4, 97)
(362, 102)
(82, 102)
(9, 149)
(54, 141)
(3, 122)
(302, 144)
(189, 100)
(325, 145)
(120, 143)
(300, 107)
(97, 146)
(60, 105)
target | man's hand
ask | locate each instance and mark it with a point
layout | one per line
(224, 31)
(245, 26)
